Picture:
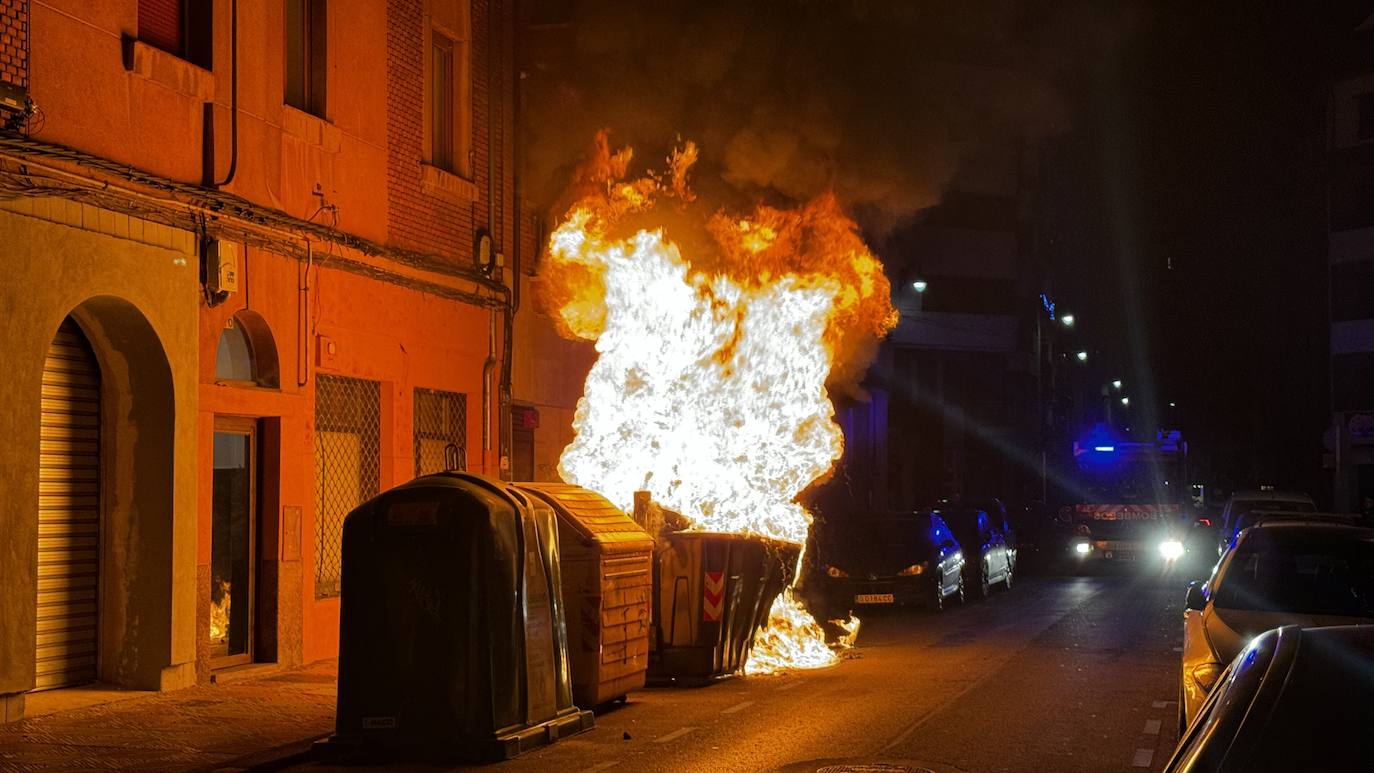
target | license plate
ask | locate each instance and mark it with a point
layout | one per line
(873, 598)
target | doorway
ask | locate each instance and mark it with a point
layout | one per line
(69, 513)
(233, 542)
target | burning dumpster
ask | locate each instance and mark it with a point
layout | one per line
(713, 592)
(607, 563)
(452, 640)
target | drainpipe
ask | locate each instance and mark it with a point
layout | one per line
(233, 95)
(488, 368)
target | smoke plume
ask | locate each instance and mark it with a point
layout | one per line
(880, 103)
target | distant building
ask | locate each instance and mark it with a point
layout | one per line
(954, 403)
(1350, 439)
(261, 260)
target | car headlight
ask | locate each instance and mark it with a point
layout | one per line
(1206, 675)
(836, 572)
(1082, 548)
(914, 569)
(1170, 549)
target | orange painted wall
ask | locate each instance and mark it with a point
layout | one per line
(359, 158)
(381, 332)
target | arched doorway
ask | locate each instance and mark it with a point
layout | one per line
(242, 591)
(110, 590)
(69, 505)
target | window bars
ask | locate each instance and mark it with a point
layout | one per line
(440, 423)
(347, 465)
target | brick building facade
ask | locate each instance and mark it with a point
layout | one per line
(14, 43)
(263, 260)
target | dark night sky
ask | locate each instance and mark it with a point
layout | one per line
(1202, 147)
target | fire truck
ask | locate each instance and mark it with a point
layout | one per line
(1128, 500)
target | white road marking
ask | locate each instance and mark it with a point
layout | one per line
(1151, 727)
(788, 686)
(1142, 758)
(673, 736)
(1178, 649)
(1161, 704)
(738, 707)
(603, 765)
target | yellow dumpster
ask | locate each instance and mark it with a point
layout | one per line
(607, 562)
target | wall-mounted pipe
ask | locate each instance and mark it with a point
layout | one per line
(233, 94)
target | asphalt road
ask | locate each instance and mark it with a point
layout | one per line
(1060, 673)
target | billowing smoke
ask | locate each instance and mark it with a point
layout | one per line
(880, 103)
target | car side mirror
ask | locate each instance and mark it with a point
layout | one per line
(1196, 600)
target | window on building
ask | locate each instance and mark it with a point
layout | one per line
(183, 28)
(441, 94)
(1365, 105)
(347, 466)
(234, 359)
(441, 420)
(247, 352)
(306, 49)
(450, 89)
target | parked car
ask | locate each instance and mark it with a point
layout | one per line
(1295, 699)
(1243, 502)
(988, 560)
(998, 512)
(1281, 572)
(892, 559)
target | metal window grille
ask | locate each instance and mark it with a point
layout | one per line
(348, 445)
(441, 420)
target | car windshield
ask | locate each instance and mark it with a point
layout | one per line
(1317, 574)
(1255, 516)
(966, 524)
(855, 541)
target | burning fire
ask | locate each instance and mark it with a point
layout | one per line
(714, 350)
(793, 638)
(219, 614)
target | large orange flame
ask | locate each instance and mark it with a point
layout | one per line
(709, 389)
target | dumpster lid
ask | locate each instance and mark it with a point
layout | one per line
(592, 516)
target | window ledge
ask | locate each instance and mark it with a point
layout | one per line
(310, 129)
(446, 185)
(168, 70)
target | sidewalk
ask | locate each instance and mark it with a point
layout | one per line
(234, 725)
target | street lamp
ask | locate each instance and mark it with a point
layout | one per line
(1173, 404)
(1116, 384)
(919, 285)
(1067, 319)
(1082, 356)
(1126, 401)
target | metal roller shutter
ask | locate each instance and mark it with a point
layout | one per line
(159, 24)
(68, 512)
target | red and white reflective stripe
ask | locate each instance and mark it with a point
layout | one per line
(713, 596)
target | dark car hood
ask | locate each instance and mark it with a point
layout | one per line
(874, 549)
